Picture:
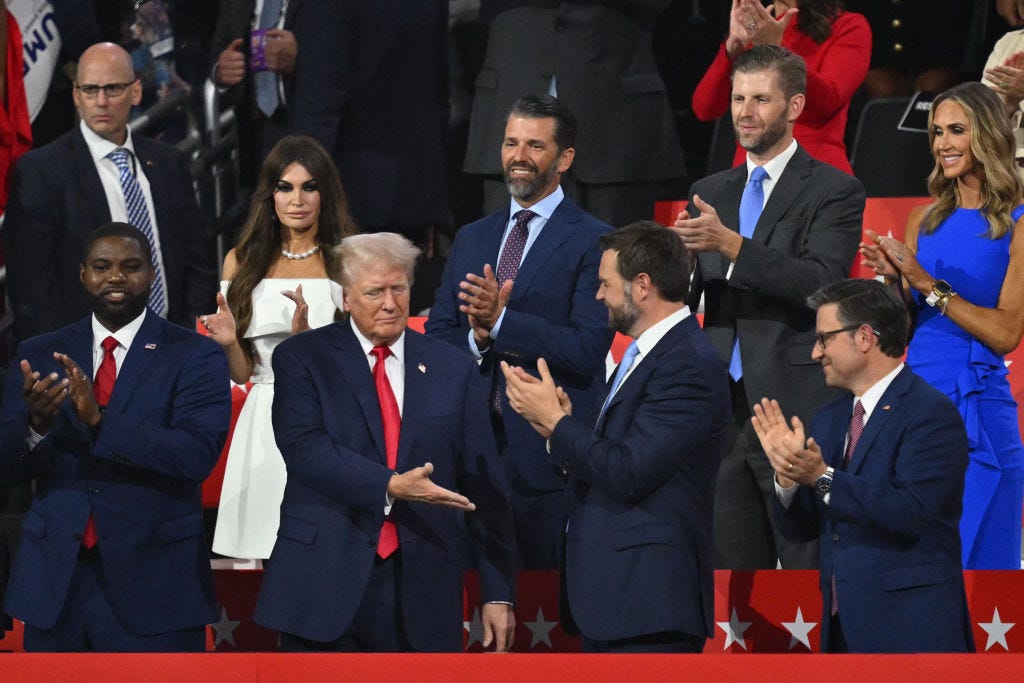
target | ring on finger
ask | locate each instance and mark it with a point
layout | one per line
(1004, 85)
(752, 25)
(790, 466)
(899, 257)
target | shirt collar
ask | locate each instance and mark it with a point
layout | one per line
(544, 208)
(100, 147)
(776, 165)
(397, 347)
(650, 337)
(124, 336)
(873, 395)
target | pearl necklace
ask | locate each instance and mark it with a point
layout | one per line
(301, 255)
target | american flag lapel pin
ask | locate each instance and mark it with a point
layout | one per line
(150, 346)
(422, 368)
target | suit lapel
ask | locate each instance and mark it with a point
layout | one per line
(835, 441)
(555, 232)
(161, 201)
(887, 406)
(415, 390)
(88, 177)
(728, 208)
(788, 187)
(355, 370)
(145, 347)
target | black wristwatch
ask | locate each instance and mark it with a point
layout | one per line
(824, 483)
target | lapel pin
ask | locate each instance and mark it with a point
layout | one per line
(885, 407)
(422, 368)
(150, 346)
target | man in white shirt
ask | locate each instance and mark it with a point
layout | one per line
(882, 476)
(94, 174)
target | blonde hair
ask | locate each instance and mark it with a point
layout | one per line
(359, 252)
(992, 146)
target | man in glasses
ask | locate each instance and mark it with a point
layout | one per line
(97, 173)
(881, 476)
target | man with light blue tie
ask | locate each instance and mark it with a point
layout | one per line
(97, 173)
(638, 572)
(767, 235)
(520, 285)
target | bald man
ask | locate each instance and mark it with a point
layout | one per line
(97, 173)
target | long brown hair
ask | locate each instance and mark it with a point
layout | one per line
(992, 146)
(259, 245)
(816, 16)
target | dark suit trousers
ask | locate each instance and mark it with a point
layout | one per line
(746, 536)
(88, 622)
(377, 625)
(653, 643)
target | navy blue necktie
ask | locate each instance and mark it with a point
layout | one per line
(751, 205)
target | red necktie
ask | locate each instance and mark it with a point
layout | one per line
(102, 387)
(392, 419)
(856, 429)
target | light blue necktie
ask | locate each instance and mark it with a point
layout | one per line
(627, 362)
(138, 215)
(266, 81)
(751, 205)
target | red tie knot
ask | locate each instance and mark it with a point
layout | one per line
(380, 352)
(109, 344)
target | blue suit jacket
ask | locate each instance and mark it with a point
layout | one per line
(891, 531)
(638, 556)
(552, 313)
(140, 475)
(328, 425)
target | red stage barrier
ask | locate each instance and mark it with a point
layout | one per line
(272, 668)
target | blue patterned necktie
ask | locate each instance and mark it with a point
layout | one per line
(751, 205)
(627, 362)
(138, 215)
(266, 81)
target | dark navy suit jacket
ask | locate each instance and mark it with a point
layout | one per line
(328, 425)
(57, 200)
(890, 533)
(552, 313)
(638, 557)
(140, 475)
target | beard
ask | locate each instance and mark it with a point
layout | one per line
(115, 315)
(526, 187)
(774, 131)
(623, 318)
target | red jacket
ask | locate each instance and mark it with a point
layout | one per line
(835, 69)
(15, 127)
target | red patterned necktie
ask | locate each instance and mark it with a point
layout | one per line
(508, 268)
(392, 419)
(856, 429)
(102, 387)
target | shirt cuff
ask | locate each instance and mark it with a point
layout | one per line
(33, 438)
(785, 495)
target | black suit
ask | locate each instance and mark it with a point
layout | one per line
(371, 84)
(806, 238)
(57, 200)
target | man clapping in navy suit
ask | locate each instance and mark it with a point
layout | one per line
(881, 476)
(118, 418)
(638, 574)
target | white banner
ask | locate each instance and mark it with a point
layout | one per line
(41, 48)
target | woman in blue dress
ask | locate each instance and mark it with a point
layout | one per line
(961, 267)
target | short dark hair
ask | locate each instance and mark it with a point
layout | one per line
(548, 107)
(790, 67)
(868, 302)
(118, 230)
(649, 247)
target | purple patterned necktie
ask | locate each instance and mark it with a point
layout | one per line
(856, 429)
(508, 268)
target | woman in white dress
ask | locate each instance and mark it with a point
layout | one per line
(276, 283)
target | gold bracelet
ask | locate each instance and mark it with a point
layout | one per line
(944, 301)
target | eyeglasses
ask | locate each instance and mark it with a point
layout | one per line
(823, 338)
(111, 90)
